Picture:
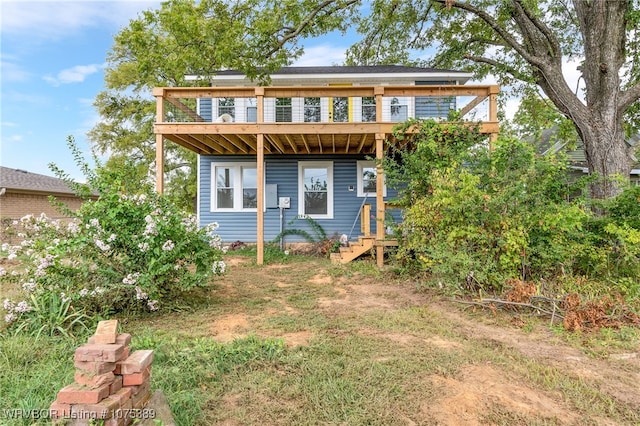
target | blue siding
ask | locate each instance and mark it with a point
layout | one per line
(436, 106)
(204, 108)
(283, 171)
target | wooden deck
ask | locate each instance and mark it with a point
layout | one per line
(178, 121)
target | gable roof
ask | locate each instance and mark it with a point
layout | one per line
(22, 180)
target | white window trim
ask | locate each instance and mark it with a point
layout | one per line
(314, 165)
(237, 186)
(361, 165)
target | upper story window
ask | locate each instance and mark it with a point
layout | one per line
(312, 110)
(399, 110)
(368, 179)
(252, 110)
(283, 110)
(369, 108)
(235, 187)
(315, 189)
(227, 106)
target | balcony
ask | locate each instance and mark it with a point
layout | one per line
(340, 120)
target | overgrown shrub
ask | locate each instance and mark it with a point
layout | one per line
(120, 252)
(475, 218)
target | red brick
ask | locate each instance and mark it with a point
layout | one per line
(99, 352)
(125, 354)
(106, 332)
(136, 362)
(58, 410)
(95, 367)
(135, 379)
(135, 390)
(123, 339)
(93, 380)
(123, 395)
(142, 397)
(116, 385)
(77, 394)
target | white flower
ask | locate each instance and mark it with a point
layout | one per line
(83, 292)
(152, 305)
(8, 305)
(219, 267)
(168, 245)
(10, 317)
(95, 223)
(143, 246)
(131, 279)
(73, 227)
(26, 243)
(5, 246)
(111, 238)
(64, 298)
(141, 295)
(96, 291)
(102, 246)
(22, 307)
(3, 272)
(29, 286)
(12, 255)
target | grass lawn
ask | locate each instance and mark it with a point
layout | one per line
(305, 342)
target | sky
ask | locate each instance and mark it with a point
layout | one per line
(53, 57)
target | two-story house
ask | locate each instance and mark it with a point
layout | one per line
(305, 146)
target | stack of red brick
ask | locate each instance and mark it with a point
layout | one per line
(110, 383)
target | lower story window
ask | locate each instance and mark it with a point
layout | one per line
(368, 179)
(315, 189)
(235, 187)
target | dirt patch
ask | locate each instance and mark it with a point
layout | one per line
(320, 279)
(367, 296)
(229, 327)
(469, 397)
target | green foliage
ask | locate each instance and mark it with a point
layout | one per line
(122, 251)
(476, 218)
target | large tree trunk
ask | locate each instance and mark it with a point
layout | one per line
(603, 24)
(607, 156)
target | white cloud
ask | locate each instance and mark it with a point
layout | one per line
(76, 74)
(321, 55)
(12, 72)
(55, 19)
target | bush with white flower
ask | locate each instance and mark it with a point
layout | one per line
(122, 252)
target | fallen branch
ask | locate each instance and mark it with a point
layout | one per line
(485, 303)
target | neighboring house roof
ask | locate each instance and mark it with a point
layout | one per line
(576, 156)
(371, 72)
(23, 181)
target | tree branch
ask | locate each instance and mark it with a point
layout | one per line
(514, 72)
(628, 97)
(307, 21)
(503, 33)
(542, 27)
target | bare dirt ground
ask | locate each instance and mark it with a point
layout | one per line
(463, 398)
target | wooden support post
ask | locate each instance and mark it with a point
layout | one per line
(159, 142)
(260, 172)
(493, 111)
(365, 220)
(380, 206)
(159, 164)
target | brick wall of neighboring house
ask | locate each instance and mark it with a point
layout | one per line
(16, 205)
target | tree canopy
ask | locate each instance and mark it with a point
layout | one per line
(525, 44)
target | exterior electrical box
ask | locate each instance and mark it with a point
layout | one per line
(271, 195)
(284, 202)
